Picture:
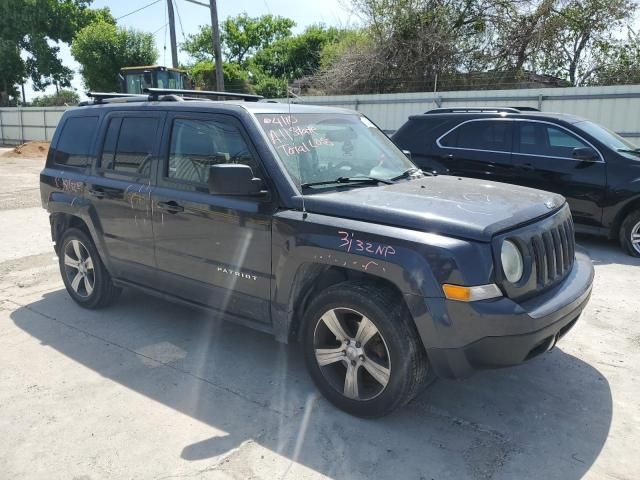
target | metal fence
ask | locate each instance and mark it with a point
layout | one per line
(615, 107)
(20, 125)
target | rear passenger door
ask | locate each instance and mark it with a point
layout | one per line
(479, 149)
(211, 249)
(543, 157)
(120, 190)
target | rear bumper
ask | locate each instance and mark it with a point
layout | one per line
(463, 337)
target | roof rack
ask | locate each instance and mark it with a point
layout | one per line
(154, 92)
(483, 110)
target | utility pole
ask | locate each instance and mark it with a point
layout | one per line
(215, 37)
(172, 34)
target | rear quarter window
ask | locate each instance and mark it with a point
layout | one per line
(76, 138)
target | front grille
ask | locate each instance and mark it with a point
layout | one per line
(553, 252)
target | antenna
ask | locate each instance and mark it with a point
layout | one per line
(304, 209)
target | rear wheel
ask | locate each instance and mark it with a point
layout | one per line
(630, 234)
(362, 350)
(83, 272)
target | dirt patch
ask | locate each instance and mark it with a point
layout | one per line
(29, 149)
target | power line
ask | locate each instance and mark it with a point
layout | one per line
(163, 26)
(179, 20)
(137, 10)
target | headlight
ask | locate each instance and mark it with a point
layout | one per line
(512, 263)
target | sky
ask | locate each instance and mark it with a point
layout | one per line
(153, 19)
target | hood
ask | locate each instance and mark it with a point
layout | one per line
(458, 207)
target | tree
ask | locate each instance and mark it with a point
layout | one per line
(102, 49)
(408, 43)
(297, 56)
(241, 37)
(617, 63)
(30, 31)
(203, 75)
(60, 99)
(578, 28)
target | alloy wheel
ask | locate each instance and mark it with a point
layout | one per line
(635, 237)
(352, 354)
(79, 269)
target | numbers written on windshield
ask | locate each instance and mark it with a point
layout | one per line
(292, 139)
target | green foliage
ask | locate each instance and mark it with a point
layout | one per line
(619, 62)
(35, 28)
(297, 56)
(241, 37)
(62, 98)
(102, 49)
(576, 30)
(203, 75)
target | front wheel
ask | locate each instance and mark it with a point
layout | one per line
(362, 349)
(630, 234)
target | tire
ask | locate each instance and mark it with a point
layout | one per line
(393, 352)
(630, 234)
(87, 281)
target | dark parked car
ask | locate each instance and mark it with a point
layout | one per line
(309, 224)
(596, 170)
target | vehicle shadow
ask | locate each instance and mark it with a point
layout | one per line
(547, 419)
(604, 252)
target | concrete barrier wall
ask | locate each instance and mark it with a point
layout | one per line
(616, 107)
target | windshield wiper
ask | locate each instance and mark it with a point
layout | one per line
(359, 179)
(407, 173)
(629, 150)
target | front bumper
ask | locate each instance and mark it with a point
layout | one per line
(462, 337)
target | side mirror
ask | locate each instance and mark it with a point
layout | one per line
(233, 179)
(585, 153)
(407, 154)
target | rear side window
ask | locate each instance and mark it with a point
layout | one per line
(74, 144)
(197, 144)
(128, 145)
(481, 135)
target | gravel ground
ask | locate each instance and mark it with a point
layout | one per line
(147, 389)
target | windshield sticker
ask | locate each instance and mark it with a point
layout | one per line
(367, 122)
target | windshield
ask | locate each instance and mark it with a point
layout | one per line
(322, 147)
(606, 136)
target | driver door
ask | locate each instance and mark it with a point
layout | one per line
(211, 249)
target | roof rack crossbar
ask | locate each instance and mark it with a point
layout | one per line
(98, 97)
(206, 93)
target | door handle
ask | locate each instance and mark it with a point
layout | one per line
(450, 156)
(97, 192)
(528, 167)
(170, 207)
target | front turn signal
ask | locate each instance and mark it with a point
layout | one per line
(471, 294)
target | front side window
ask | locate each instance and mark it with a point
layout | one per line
(610, 139)
(75, 141)
(321, 147)
(128, 146)
(494, 135)
(546, 140)
(196, 145)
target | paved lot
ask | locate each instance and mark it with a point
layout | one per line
(147, 389)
